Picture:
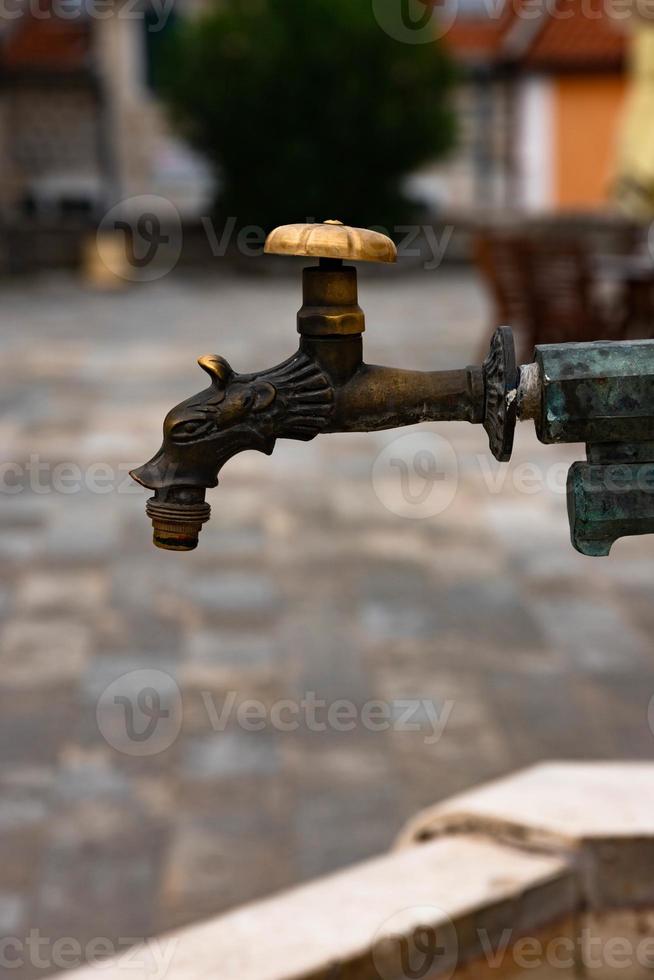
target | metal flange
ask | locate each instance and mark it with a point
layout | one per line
(501, 403)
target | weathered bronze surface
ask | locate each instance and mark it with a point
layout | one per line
(598, 393)
(324, 387)
(602, 394)
(502, 376)
(607, 501)
(332, 240)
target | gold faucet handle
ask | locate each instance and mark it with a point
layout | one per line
(331, 240)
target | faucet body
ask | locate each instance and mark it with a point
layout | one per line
(324, 387)
(599, 393)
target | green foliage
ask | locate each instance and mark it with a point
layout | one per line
(307, 108)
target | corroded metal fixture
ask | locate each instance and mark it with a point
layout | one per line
(324, 387)
(599, 393)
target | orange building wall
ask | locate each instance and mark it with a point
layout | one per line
(587, 114)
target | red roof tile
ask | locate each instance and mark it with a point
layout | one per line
(46, 45)
(470, 38)
(580, 34)
(577, 34)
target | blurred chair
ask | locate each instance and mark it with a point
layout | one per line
(497, 255)
(563, 295)
(544, 284)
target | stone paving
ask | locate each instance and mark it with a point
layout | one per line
(134, 794)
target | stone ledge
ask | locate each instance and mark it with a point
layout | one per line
(329, 928)
(556, 801)
(601, 814)
(500, 880)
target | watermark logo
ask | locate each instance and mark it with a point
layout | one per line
(425, 21)
(140, 238)
(155, 14)
(415, 21)
(314, 714)
(41, 476)
(415, 944)
(416, 475)
(140, 713)
(407, 476)
(151, 958)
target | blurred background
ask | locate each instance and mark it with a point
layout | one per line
(146, 149)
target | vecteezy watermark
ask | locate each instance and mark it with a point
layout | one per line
(426, 21)
(415, 21)
(313, 714)
(416, 943)
(157, 12)
(535, 10)
(152, 957)
(140, 238)
(416, 475)
(42, 477)
(422, 942)
(413, 241)
(140, 712)
(586, 951)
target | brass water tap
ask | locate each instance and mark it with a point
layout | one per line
(324, 387)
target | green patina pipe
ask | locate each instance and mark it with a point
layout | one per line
(601, 394)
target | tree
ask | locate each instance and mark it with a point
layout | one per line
(308, 108)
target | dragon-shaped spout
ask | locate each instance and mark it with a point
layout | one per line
(298, 399)
(293, 400)
(238, 411)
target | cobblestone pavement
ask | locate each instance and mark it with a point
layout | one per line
(322, 576)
